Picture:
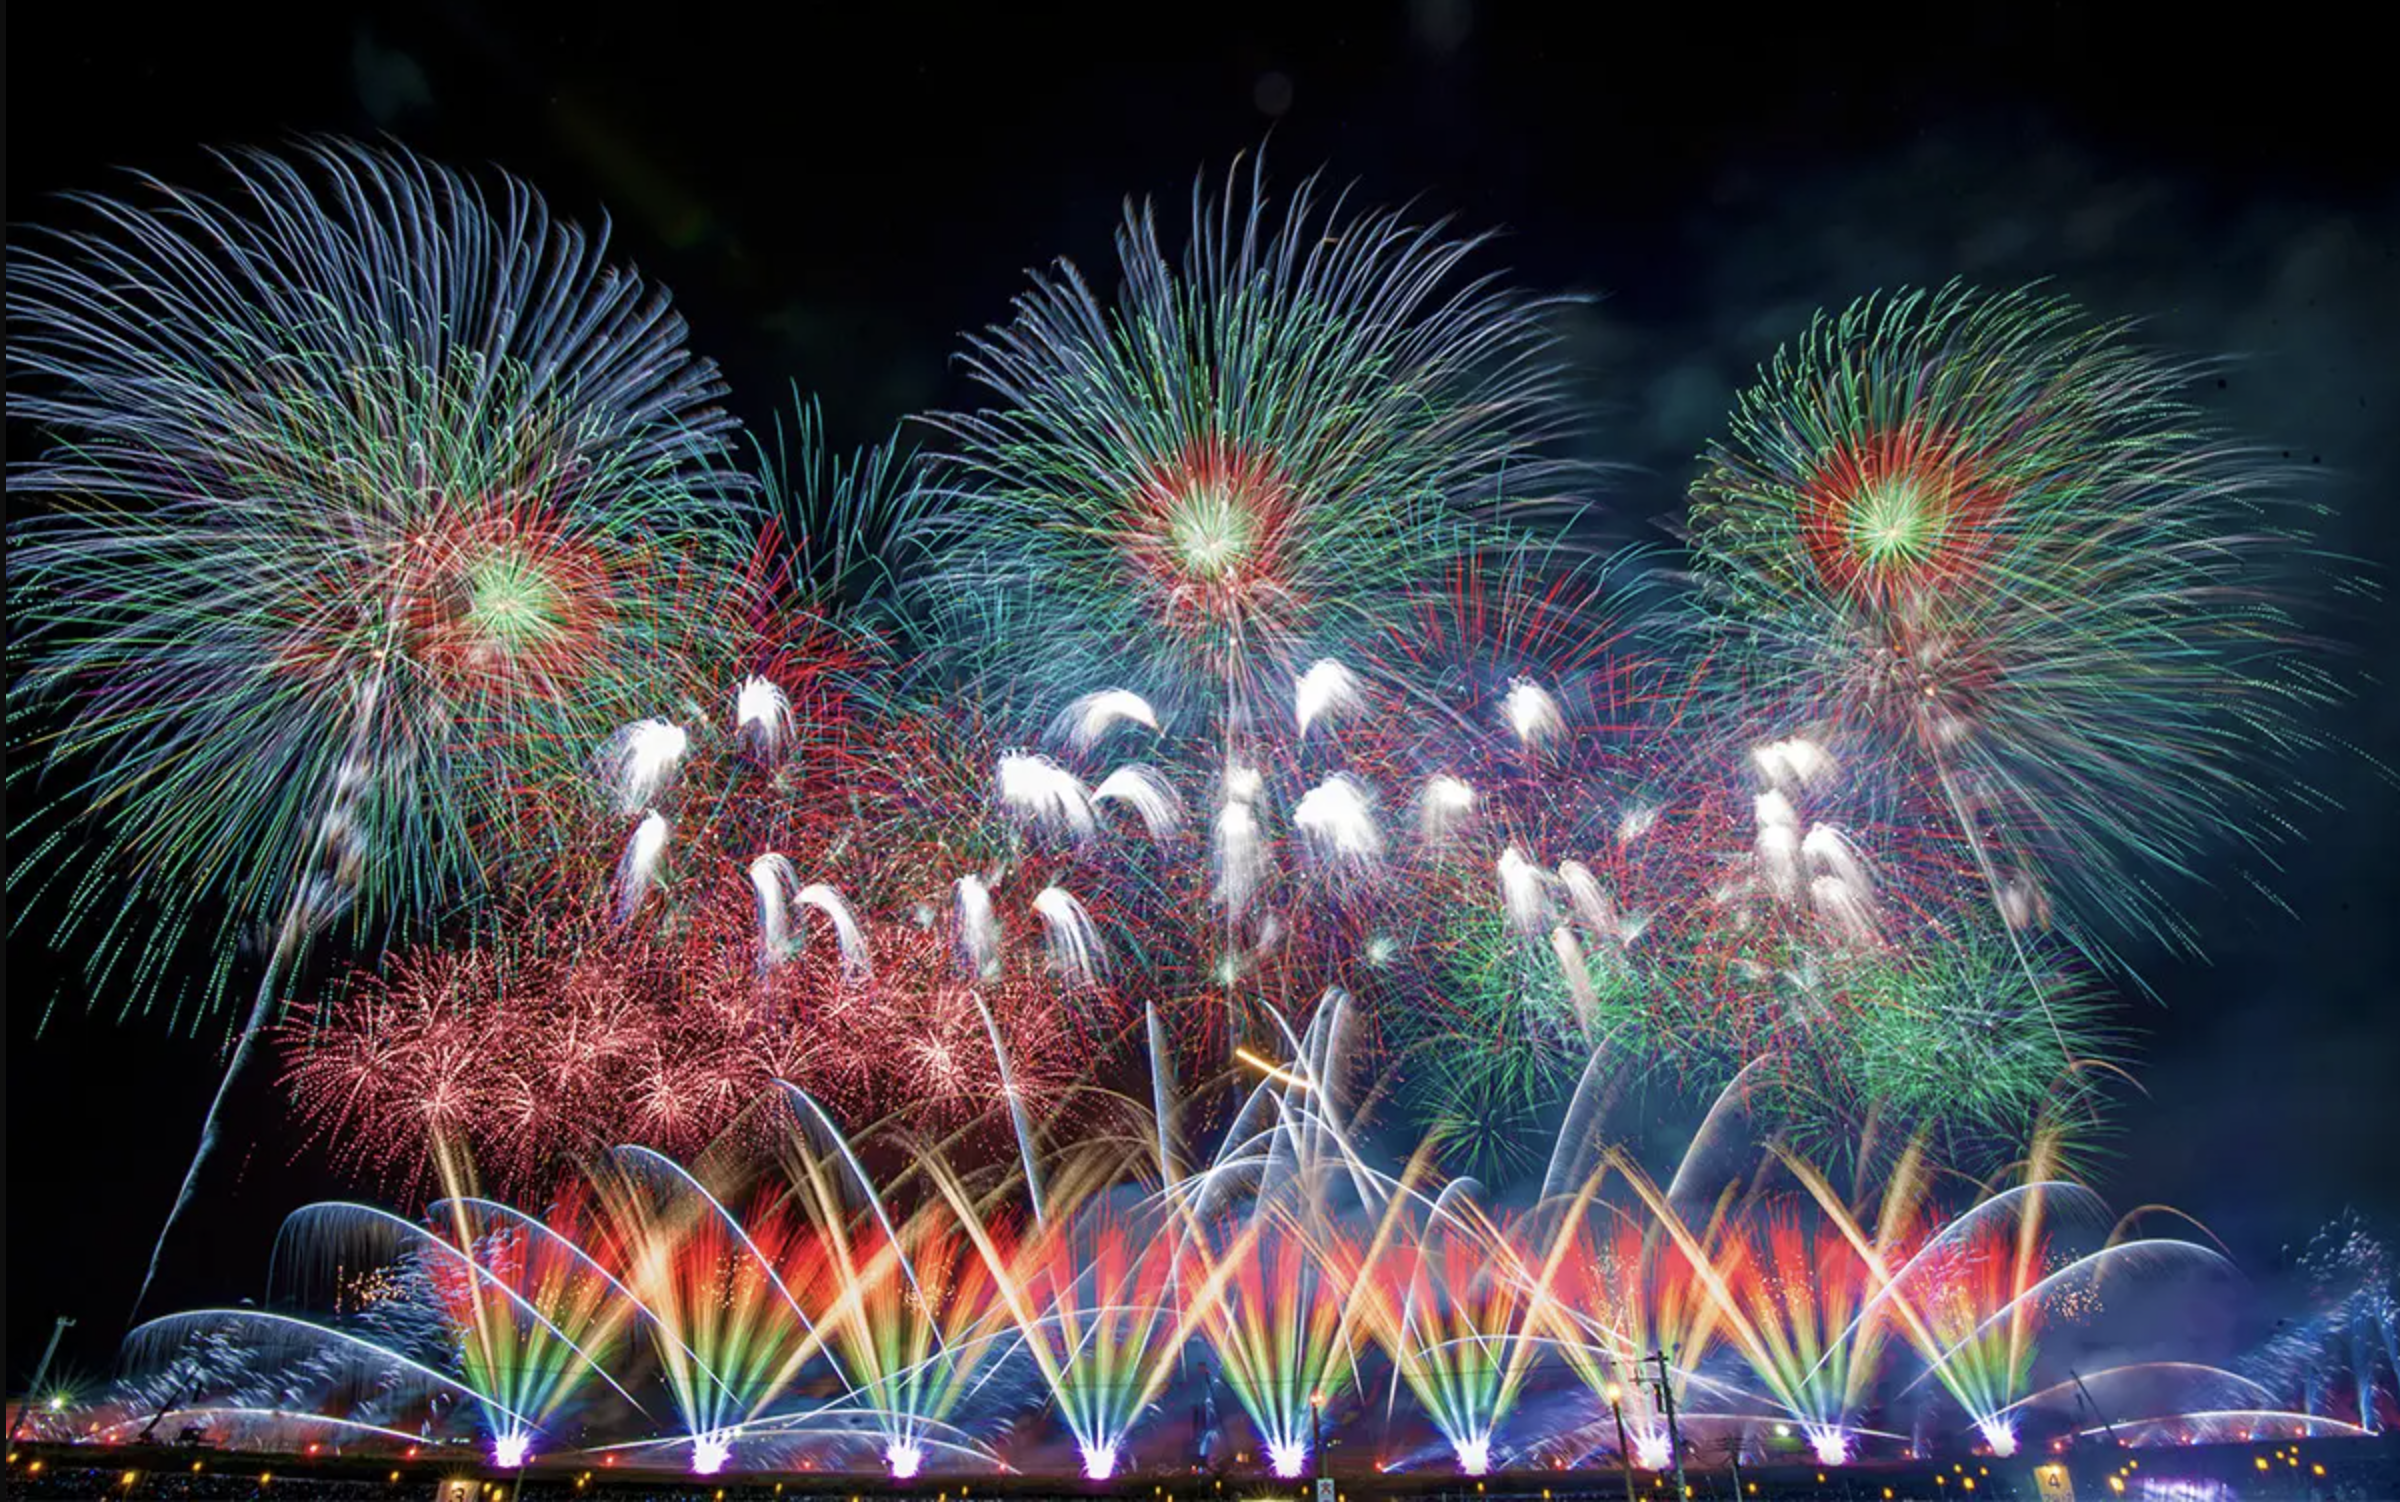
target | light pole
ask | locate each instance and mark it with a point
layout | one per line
(1316, 1434)
(1616, 1410)
(1666, 1401)
(56, 1330)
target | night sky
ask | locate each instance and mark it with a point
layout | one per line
(834, 196)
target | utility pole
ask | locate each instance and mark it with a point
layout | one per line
(1616, 1409)
(61, 1327)
(1666, 1402)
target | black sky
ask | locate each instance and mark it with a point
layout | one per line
(836, 191)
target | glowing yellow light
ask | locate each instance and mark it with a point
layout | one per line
(1268, 1068)
(126, 1479)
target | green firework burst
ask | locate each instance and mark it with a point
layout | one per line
(1250, 456)
(1995, 542)
(364, 495)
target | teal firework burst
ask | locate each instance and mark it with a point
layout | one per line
(1994, 540)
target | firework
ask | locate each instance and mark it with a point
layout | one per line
(910, 1311)
(1993, 542)
(732, 1335)
(363, 498)
(1215, 697)
(561, 1040)
(1250, 457)
(1092, 1291)
(529, 1319)
(2341, 1357)
(738, 1317)
(1799, 1287)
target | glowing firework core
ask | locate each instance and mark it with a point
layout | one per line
(510, 1450)
(512, 600)
(1099, 1459)
(2000, 1434)
(1209, 533)
(905, 1460)
(1832, 1447)
(1287, 1458)
(709, 1453)
(1474, 1455)
(1652, 1452)
(1210, 530)
(1894, 523)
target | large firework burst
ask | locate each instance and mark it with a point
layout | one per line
(1248, 457)
(1996, 541)
(365, 492)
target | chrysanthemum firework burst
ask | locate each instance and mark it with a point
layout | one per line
(1249, 456)
(1994, 540)
(362, 492)
(360, 501)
